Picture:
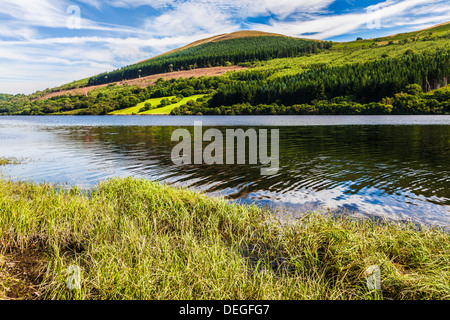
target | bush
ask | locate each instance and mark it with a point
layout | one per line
(413, 89)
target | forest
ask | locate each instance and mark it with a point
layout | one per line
(359, 82)
(409, 101)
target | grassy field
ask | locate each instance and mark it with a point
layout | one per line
(135, 109)
(435, 32)
(137, 239)
(156, 101)
(168, 109)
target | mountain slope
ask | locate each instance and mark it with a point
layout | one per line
(364, 76)
(432, 33)
(439, 31)
(222, 50)
(218, 38)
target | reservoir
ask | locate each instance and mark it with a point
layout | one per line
(394, 167)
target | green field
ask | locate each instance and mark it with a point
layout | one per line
(155, 101)
(427, 34)
(135, 110)
(168, 109)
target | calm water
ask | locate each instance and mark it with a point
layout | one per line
(396, 167)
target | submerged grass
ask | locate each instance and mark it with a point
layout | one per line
(5, 161)
(137, 239)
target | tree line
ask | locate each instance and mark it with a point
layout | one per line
(409, 101)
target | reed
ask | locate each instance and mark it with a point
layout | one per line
(138, 239)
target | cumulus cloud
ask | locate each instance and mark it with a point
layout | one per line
(191, 18)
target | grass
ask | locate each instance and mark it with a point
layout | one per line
(137, 239)
(155, 101)
(168, 109)
(437, 31)
(135, 109)
(5, 161)
(339, 57)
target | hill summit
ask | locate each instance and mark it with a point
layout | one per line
(222, 37)
(222, 50)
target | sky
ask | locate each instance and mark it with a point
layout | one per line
(46, 43)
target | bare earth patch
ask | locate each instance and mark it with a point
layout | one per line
(151, 80)
(20, 275)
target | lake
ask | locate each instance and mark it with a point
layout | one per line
(395, 167)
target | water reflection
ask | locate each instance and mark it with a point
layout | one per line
(389, 170)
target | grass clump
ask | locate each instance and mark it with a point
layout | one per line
(137, 239)
(5, 161)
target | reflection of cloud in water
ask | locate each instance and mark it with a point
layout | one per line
(372, 202)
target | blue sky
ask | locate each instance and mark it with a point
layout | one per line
(45, 43)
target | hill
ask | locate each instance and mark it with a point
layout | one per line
(223, 50)
(431, 33)
(400, 74)
(218, 38)
(428, 34)
(222, 37)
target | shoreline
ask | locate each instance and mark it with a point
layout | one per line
(137, 239)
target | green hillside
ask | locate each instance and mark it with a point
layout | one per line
(408, 74)
(136, 109)
(434, 33)
(366, 82)
(5, 97)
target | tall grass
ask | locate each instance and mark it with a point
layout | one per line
(11, 160)
(137, 239)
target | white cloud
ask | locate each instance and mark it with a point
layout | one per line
(30, 78)
(36, 12)
(24, 15)
(191, 18)
(239, 8)
(392, 13)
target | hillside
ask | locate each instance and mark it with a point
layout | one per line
(218, 38)
(208, 46)
(358, 77)
(429, 34)
(224, 50)
(435, 32)
(144, 82)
